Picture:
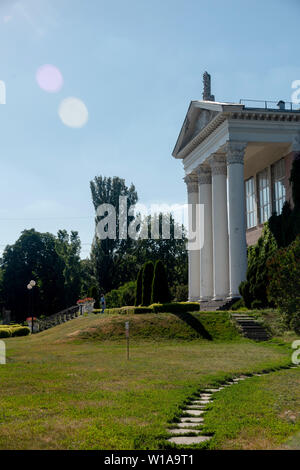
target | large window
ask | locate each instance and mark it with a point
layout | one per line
(278, 175)
(250, 203)
(264, 204)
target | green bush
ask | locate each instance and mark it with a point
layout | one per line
(255, 286)
(5, 332)
(148, 272)
(21, 331)
(284, 284)
(176, 307)
(238, 305)
(180, 293)
(125, 295)
(139, 287)
(160, 290)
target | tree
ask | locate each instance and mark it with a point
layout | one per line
(68, 247)
(284, 284)
(139, 287)
(33, 256)
(160, 289)
(286, 226)
(112, 257)
(147, 283)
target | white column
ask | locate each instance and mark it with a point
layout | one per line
(193, 248)
(206, 250)
(236, 216)
(220, 227)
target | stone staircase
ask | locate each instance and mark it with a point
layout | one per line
(213, 305)
(250, 328)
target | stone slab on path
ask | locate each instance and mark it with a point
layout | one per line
(188, 440)
(194, 412)
(183, 431)
(192, 420)
(187, 424)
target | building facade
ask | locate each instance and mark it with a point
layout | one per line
(237, 159)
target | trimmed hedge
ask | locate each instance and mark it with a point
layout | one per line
(175, 307)
(5, 332)
(21, 331)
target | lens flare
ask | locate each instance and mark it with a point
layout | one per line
(73, 112)
(49, 78)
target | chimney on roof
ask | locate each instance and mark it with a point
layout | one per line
(207, 96)
(281, 105)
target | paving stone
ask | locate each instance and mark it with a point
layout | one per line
(202, 402)
(194, 412)
(187, 440)
(182, 431)
(214, 390)
(189, 425)
(192, 420)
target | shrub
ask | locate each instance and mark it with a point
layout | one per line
(180, 293)
(255, 286)
(238, 305)
(284, 283)
(21, 331)
(125, 295)
(160, 290)
(147, 283)
(129, 310)
(139, 287)
(94, 294)
(5, 332)
(176, 307)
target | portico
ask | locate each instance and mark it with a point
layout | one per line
(219, 144)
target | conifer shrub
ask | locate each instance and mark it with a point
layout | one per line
(160, 290)
(148, 272)
(139, 287)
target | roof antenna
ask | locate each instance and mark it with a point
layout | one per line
(207, 96)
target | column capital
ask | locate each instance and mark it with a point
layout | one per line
(204, 174)
(191, 181)
(235, 152)
(218, 164)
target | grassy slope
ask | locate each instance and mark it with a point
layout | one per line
(61, 392)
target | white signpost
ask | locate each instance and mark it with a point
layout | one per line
(127, 337)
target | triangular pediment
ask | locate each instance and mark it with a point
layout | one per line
(199, 115)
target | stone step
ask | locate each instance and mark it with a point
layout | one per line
(191, 419)
(182, 431)
(189, 425)
(189, 440)
(193, 412)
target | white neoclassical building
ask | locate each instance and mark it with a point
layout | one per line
(237, 159)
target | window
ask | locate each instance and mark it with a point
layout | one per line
(278, 175)
(250, 203)
(263, 196)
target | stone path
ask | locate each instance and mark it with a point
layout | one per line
(188, 430)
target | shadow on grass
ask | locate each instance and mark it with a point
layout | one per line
(192, 321)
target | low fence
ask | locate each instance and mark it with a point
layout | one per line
(58, 318)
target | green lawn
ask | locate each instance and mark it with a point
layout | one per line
(67, 388)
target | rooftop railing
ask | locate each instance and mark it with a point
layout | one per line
(272, 105)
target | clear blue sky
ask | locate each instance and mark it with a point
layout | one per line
(136, 65)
